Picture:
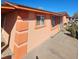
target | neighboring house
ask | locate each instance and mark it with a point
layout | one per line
(24, 28)
(73, 18)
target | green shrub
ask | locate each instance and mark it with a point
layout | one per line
(72, 29)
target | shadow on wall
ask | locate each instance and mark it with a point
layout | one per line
(7, 57)
(9, 24)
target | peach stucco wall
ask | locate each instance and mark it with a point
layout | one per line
(21, 35)
(16, 26)
(65, 20)
(25, 34)
(37, 36)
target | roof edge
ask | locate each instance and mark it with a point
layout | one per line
(32, 9)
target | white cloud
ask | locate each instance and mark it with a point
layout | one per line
(40, 7)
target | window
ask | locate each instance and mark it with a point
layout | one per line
(59, 19)
(53, 21)
(40, 20)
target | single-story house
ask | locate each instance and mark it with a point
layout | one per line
(24, 28)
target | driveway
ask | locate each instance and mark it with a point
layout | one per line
(60, 46)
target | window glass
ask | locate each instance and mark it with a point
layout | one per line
(59, 19)
(40, 20)
(53, 21)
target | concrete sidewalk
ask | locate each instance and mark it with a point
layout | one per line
(61, 46)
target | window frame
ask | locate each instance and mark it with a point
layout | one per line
(40, 20)
(53, 21)
(38, 26)
(59, 19)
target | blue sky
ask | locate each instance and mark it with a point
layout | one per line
(70, 6)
